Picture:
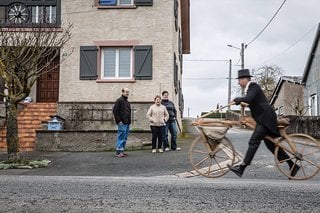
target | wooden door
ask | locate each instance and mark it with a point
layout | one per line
(48, 83)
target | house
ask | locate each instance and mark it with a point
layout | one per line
(285, 104)
(137, 44)
(311, 78)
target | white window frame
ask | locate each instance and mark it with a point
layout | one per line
(119, 4)
(131, 2)
(313, 104)
(116, 77)
(37, 11)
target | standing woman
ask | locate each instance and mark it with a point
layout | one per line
(158, 116)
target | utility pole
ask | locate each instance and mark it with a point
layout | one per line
(242, 62)
(229, 83)
(242, 55)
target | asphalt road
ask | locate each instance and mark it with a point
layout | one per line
(155, 194)
(146, 182)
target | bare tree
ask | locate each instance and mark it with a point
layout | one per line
(299, 108)
(267, 77)
(25, 55)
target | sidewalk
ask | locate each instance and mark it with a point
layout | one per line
(138, 163)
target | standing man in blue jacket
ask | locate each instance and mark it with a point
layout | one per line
(122, 115)
(266, 120)
(170, 124)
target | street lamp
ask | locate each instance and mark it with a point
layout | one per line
(243, 46)
(229, 83)
(241, 52)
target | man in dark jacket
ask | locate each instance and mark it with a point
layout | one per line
(170, 124)
(122, 115)
(266, 120)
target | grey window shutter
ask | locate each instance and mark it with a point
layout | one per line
(88, 62)
(143, 2)
(143, 62)
(175, 71)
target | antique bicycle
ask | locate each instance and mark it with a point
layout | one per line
(212, 152)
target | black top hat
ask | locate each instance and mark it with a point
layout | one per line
(245, 73)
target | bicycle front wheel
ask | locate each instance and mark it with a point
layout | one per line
(306, 157)
(210, 158)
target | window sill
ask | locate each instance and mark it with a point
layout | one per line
(26, 29)
(117, 7)
(115, 81)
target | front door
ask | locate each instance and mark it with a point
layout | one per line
(48, 83)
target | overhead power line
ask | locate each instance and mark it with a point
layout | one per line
(292, 45)
(266, 25)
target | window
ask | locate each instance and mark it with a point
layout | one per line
(116, 63)
(115, 2)
(133, 3)
(43, 14)
(313, 105)
(26, 13)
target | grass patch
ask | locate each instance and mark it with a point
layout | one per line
(24, 164)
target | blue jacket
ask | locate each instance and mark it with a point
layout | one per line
(171, 109)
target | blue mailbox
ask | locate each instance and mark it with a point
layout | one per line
(56, 123)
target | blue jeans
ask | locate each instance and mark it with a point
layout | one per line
(170, 126)
(122, 136)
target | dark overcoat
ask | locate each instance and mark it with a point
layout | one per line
(260, 108)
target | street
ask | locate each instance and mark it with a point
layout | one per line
(146, 182)
(155, 194)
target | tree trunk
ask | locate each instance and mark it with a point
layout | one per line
(12, 130)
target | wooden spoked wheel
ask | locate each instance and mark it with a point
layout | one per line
(210, 158)
(307, 156)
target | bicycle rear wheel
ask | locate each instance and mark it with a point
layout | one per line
(210, 158)
(307, 156)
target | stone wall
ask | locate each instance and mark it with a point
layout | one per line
(305, 124)
(98, 116)
(91, 141)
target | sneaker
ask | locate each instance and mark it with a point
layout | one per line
(177, 149)
(120, 155)
(167, 149)
(154, 151)
(125, 154)
(161, 150)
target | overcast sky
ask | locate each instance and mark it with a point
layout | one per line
(286, 42)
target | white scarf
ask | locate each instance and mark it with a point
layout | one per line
(247, 87)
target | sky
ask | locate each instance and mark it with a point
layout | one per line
(214, 24)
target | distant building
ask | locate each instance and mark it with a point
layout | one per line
(287, 98)
(311, 78)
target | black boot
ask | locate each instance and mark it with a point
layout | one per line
(238, 169)
(294, 170)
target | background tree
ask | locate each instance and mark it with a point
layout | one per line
(267, 77)
(25, 55)
(298, 107)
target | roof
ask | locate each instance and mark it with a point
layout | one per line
(185, 25)
(311, 55)
(289, 79)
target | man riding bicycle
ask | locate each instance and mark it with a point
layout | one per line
(266, 123)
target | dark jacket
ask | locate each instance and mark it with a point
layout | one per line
(260, 108)
(171, 109)
(122, 110)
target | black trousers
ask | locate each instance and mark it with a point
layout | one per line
(259, 133)
(157, 135)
